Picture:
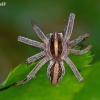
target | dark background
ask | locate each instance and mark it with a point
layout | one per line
(51, 16)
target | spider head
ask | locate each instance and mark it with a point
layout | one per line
(56, 44)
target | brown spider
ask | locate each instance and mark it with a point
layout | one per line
(56, 50)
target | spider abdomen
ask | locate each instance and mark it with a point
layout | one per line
(55, 73)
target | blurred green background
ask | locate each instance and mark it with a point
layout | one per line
(51, 16)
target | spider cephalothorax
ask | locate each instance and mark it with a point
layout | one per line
(55, 49)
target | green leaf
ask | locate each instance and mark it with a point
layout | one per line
(91, 90)
(39, 88)
(14, 75)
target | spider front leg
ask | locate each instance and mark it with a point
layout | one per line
(74, 69)
(78, 40)
(39, 32)
(34, 71)
(68, 29)
(80, 52)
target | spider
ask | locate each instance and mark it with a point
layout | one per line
(55, 49)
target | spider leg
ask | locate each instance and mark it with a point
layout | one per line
(78, 40)
(80, 52)
(35, 57)
(31, 42)
(68, 29)
(74, 69)
(39, 32)
(34, 71)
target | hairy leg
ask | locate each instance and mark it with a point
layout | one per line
(80, 52)
(31, 42)
(35, 57)
(68, 29)
(74, 69)
(39, 32)
(34, 71)
(78, 40)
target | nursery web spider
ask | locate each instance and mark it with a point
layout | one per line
(54, 49)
